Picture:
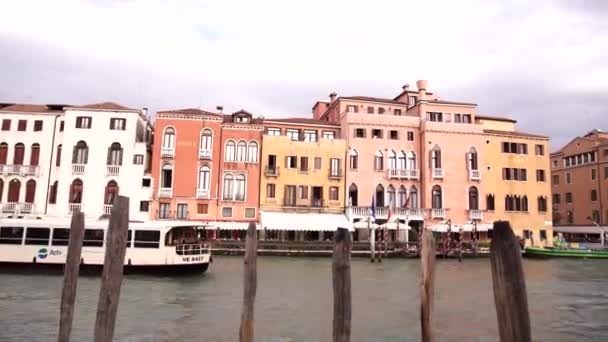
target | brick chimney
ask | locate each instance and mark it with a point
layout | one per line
(332, 97)
(422, 85)
(220, 109)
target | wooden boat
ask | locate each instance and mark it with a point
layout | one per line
(540, 252)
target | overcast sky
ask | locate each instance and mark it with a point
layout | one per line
(544, 63)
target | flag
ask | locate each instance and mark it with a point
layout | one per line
(407, 201)
(388, 219)
(373, 208)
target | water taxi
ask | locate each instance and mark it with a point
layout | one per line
(161, 246)
(549, 252)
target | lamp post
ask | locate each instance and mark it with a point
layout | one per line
(603, 232)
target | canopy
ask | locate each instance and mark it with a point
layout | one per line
(272, 220)
(456, 228)
(391, 225)
(227, 225)
(577, 229)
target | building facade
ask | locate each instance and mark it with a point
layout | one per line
(579, 179)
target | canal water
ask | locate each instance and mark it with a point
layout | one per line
(568, 301)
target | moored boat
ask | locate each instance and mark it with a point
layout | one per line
(540, 252)
(151, 246)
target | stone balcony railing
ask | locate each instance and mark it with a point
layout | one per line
(78, 169)
(165, 192)
(112, 170)
(412, 214)
(202, 193)
(19, 170)
(107, 209)
(437, 213)
(16, 208)
(72, 207)
(167, 152)
(474, 175)
(393, 173)
(437, 173)
(204, 154)
(475, 214)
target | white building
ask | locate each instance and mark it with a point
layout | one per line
(88, 155)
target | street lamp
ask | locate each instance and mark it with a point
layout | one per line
(600, 228)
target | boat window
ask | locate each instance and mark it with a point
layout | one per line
(37, 236)
(129, 236)
(61, 237)
(147, 239)
(93, 238)
(11, 235)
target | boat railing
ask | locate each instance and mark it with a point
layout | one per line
(192, 249)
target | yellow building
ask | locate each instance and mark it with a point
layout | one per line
(302, 173)
(516, 179)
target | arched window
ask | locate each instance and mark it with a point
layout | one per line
(472, 159)
(229, 155)
(14, 189)
(353, 195)
(240, 188)
(169, 138)
(518, 203)
(206, 139)
(436, 157)
(490, 202)
(1, 189)
(252, 152)
(379, 196)
(58, 157)
(413, 197)
(402, 160)
(542, 204)
(3, 153)
(524, 203)
(111, 192)
(114, 154)
(204, 178)
(166, 180)
(392, 160)
(379, 161)
(76, 190)
(30, 191)
(19, 154)
(473, 198)
(228, 191)
(53, 193)
(80, 154)
(402, 199)
(508, 203)
(241, 151)
(570, 216)
(35, 156)
(391, 196)
(437, 197)
(353, 160)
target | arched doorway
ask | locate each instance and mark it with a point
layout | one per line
(14, 188)
(353, 195)
(30, 191)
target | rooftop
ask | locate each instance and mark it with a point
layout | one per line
(495, 118)
(105, 105)
(515, 134)
(189, 111)
(373, 99)
(303, 121)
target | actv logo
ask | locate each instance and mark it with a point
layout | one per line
(42, 253)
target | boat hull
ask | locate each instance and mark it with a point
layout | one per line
(534, 252)
(47, 268)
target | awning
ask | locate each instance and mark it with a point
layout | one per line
(577, 229)
(272, 220)
(457, 228)
(227, 225)
(391, 225)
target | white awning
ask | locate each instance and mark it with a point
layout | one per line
(457, 228)
(227, 225)
(577, 229)
(272, 220)
(391, 225)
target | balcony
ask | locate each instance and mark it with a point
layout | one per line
(165, 215)
(437, 173)
(72, 207)
(411, 214)
(112, 170)
(78, 169)
(167, 152)
(204, 154)
(9, 208)
(402, 173)
(165, 192)
(475, 214)
(19, 170)
(107, 209)
(335, 174)
(202, 193)
(438, 213)
(474, 175)
(26, 208)
(271, 171)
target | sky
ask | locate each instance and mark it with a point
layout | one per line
(543, 63)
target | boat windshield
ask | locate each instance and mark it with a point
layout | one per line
(185, 235)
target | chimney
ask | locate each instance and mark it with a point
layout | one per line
(144, 111)
(220, 109)
(332, 97)
(406, 87)
(421, 84)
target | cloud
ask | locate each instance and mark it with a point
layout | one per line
(540, 62)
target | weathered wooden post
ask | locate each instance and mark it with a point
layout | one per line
(372, 239)
(70, 276)
(510, 295)
(427, 285)
(111, 279)
(342, 289)
(250, 285)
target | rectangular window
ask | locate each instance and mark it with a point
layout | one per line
(37, 236)
(397, 111)
(22, 125)
(289, 197)
(568, 178)
(593, 174)
(182, 211)
(412, 100)
(543, 235)
(303, 164)
(329, 135)
(457, 118)
(556, 198)
(505, 147)
(310, 136)
(370, 110)
(539, 150)
(293, 134)
(351, 109)
(605, 172)
(333, 193)
(434, 116)
(410, 136)
(381, 110)
(11, 235)
(93, 238)
(61, 126)
(359, 132)
(270, 191)
(377, 133)
(555, 180)
(568, 197)
(147, 239)
(303, 191)
(146, 182)
(593, 195)
(555, 163)
(83, 122)
(37, 125)
(318, 163)
(6, 124)
(202, 208)
(118, 124)
(466, 118)
(394, 135)
(540, 175)
(138, 159)
(291, 162)
(274, 131)
(163, 211)
(353, 161)
(595, 215)
(61, 237)
(249, 212)
(334, 167)
(227, 212)
(144, 206)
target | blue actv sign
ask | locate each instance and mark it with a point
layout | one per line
(42, 253)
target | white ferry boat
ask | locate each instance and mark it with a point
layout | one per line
(151, 246)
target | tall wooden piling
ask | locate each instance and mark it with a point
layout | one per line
(111, 280)
(427, 285)
(510, 295)
(70, 276)
(250, 286)
(342, 289)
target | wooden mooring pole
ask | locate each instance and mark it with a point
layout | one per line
(342, 290)
(70, 277)
(427, 285)
(111, 279)
(250, 286)
(510, 295)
